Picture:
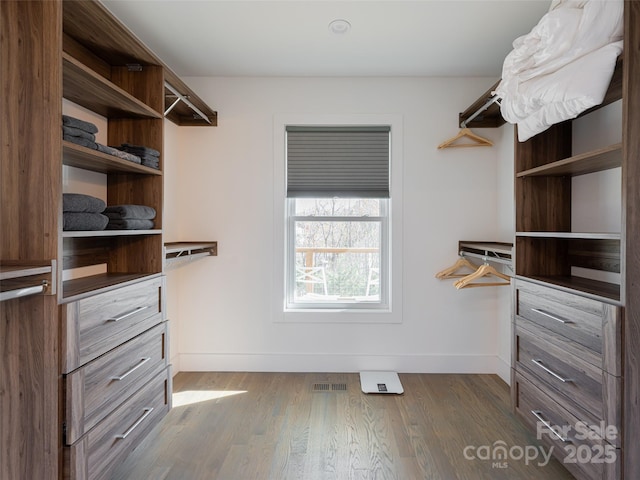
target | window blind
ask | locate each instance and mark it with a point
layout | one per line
(338, 162)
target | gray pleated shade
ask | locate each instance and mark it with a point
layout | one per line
(348, 162)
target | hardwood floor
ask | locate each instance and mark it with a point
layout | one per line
(244, 426)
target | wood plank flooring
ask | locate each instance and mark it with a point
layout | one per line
(273, 426)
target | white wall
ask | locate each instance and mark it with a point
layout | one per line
(224, 190)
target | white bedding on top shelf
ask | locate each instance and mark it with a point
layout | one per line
(563, 66)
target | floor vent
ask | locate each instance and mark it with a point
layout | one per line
(329, 387)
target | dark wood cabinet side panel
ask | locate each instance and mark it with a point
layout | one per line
(541, 257)
(30, 209)
(79, 52)
(136, 255)
(549, 146)
(137, 131)
(631, 232)
(595, 254)
(543, 204)
(146, 85)
(30, 164)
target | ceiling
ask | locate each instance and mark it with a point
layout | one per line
(292, 38)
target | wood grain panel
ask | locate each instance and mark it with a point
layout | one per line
(547, 147)
(585, 385)
(529, 399)
(541, 257)
(543, 204)
(146, 85)
(574, 317)
(631, 226)
(91, 391)
(89, 326)
(30, 209)
(100, 451)
(85, 56)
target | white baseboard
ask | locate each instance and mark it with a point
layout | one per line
(503, 369)
(342, 363)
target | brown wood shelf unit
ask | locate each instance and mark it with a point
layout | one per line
(595, 289)
(106, 98)
(88, 159)
(79, 288)
(490, 118)
(21, 270)
(119, 46)
(108, 233)
(589, 162)
(176, 249)
(571, 235)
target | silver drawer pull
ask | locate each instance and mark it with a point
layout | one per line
(147, 412)
(128, 314)
(538, 415)
(133, 369)
(553, 317)
(550, 372)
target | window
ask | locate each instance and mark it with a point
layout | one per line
(337, 218)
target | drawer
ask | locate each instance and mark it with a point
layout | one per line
(593, 325)
(585, 454)
(595, 393)
(94, 325)
(95, 455)
(96, 389)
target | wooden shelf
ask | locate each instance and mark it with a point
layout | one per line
(181, 114)
(108, 233)
(15, 271)
(570, 235)
(176, 252)
(91, 90)
(602, 291)
(490, 118)
(79, 288)
(590, 162)
(498, 248)
(88, 159)
(119, 46)
(173, 249)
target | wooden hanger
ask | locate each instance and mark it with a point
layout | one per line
(465, 132)
(483, 271)
(451, 272)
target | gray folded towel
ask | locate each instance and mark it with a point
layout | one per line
(139, 149)
(133, 212)
(84, 221)
(77, 123)
(76, 132)
(147, 163)
(84, 142)
(118, 153)
(129, 224)
(77, 202)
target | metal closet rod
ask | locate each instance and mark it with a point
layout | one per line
(488, 103)
(486, 258)
(185, 100)
(23, 292)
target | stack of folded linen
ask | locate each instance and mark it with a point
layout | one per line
(130, 217)
(79, 132)
(149, 156)
(82, 212)
(118, 153)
